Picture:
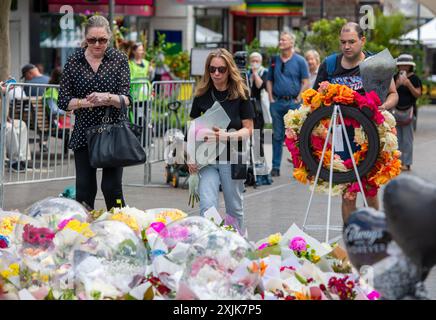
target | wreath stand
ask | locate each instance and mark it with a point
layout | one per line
(327, 227)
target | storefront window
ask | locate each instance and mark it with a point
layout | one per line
(56, 44)
(209, 27)
(269, 31)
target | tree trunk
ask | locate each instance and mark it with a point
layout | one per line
(5, 55)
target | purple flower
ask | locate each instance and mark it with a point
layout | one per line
(263, 246)
(373, 295)
(298, 244)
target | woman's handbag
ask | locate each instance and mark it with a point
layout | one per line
(403, 117)
(115, 144)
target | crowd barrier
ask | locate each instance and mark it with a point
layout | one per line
(35, 133)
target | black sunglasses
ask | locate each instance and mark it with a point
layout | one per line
(221, 69)
(95, 40)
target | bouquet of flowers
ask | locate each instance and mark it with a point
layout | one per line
(109, 264)
(220, 265)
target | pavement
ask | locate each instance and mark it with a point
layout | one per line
(268, 209)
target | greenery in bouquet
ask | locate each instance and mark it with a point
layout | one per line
(302, 249)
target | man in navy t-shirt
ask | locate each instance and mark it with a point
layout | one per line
(288, 77)
(31, 74)
(347, 72)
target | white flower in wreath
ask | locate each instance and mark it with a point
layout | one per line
(389, 119)
(359, 136)
(294, 118)
(389, 142)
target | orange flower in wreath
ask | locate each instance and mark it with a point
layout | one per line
(300, 174)
(345, 95)
(308, 95)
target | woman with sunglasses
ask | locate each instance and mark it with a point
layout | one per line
(223, 83)
(95, 77)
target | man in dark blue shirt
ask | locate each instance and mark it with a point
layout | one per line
(31, 74)
(288, 77)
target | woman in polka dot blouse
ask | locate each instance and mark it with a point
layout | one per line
(93, 79)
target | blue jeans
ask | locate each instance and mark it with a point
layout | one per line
(211, 177)
(278, 110)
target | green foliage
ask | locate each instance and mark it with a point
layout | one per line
(179, 64)
(161, 47)
(324, 36)
(253, 46)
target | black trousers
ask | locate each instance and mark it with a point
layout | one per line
(86, 182)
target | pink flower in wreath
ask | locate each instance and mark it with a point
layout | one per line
(298, 244)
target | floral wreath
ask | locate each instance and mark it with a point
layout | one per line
(387, 165)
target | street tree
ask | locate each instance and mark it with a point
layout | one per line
(5, 56)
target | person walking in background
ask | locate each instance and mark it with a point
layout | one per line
(313, 62)
(346, 71)
(409, 88)
(32, 75)
(257, 77)
(223, 83)
(95, 77)
(288, 77)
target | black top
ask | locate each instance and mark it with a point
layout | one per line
(78, 80)
(349, 77)
(405, 97)
(236, 109)
(255, 92)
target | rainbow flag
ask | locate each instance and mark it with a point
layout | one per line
(275, 8)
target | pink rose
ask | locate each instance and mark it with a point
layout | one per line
(262, 246)
(373, 295)
(298, 244)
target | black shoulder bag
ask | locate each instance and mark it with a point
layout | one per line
(115, 144)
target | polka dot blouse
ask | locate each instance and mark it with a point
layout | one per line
(79, 80)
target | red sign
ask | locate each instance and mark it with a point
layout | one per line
(103, 2)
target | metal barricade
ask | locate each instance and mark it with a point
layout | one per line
(34, 136)
(168, 107)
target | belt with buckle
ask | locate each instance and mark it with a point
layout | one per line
(287, 98)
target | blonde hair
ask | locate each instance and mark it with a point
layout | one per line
(236, 85)
(97, 21)
(314, 53)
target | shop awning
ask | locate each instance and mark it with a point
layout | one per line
(270, 8)
(124, 7)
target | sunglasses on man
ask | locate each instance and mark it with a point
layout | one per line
(221, 69)
(95, 40)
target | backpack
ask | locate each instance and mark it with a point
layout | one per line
(273, 65)
(330, 62)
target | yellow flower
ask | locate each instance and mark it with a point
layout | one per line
(274, 238)
(161, 219)
(315, 258)
(79, 227)
(7, 225)
(12, 271)
(130, 221)
(174, 215)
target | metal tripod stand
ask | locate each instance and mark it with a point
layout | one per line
(332, 128)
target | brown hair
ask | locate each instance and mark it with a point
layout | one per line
(133, 46)
(236, 85)
(55, 77)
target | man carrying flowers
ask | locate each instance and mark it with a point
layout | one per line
(344, 69)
